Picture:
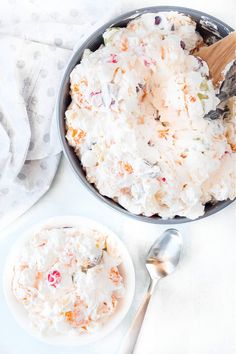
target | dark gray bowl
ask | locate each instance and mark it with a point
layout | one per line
(208, 26)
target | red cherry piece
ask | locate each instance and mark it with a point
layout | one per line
(54, 278)
(146, 63)
(113, 59)
(94, 93)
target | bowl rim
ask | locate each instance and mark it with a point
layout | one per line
(68, 151)
(17, 309)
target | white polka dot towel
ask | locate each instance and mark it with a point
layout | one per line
(36, 39)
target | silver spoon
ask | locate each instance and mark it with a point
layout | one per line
(227, 90)
(161, 261)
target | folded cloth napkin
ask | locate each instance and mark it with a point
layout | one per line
(37, 39)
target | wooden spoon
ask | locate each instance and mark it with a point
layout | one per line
(218, 55)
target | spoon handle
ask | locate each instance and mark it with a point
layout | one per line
(129, 342)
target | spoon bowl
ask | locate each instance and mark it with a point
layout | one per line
(164, 255)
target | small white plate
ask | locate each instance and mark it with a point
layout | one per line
(126, 270)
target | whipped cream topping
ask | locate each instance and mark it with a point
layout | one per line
(136, 120)
(68, 280)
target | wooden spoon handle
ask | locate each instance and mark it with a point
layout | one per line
(218, 55)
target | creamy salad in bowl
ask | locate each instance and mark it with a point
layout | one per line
(137, 120)
(70, 279)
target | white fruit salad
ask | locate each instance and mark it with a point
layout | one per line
(68, 280)
(137, 120)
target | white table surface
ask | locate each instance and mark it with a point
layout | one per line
(193, 311)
